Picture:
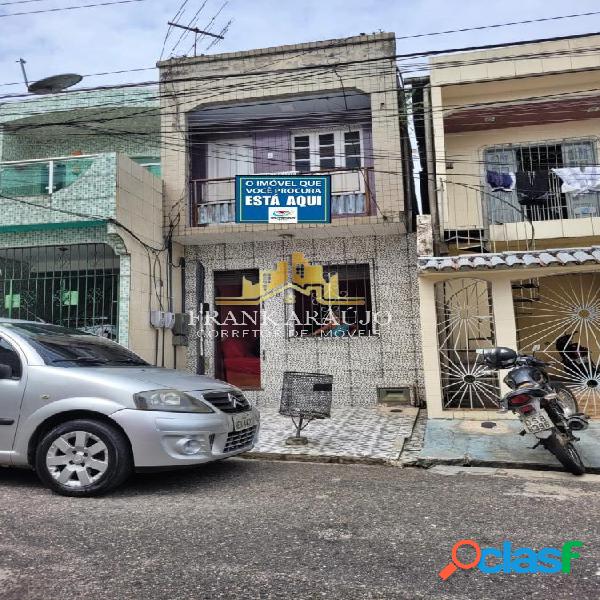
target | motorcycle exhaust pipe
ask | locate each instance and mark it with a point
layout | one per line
(578, 423)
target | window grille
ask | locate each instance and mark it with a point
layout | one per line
(504, 206)
(337, 319)
(74, 286)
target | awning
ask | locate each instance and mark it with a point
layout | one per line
(511, 260)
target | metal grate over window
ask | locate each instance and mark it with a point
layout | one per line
(337, 318)
(74, 286)
(541, 158)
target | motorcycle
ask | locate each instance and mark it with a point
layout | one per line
(547, 409)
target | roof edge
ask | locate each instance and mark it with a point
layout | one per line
(384, 36)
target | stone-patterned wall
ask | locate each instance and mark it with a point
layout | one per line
(47, 126)
(359, 365)
(24, 146)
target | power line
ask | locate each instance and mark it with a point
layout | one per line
(59, 9)
(576, 95)
(278, 74)
(20, 2)
(422, 54)
(437, 33)
(497, 25)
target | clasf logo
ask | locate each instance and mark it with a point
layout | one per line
(507, 559)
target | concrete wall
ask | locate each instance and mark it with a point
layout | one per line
(464, 209)
(505, 326)
(241, 76)
(563, 68)
(515, 61)
(26, 146)
(49, 126)
(139, 208)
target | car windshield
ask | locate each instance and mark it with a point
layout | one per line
(62, 347)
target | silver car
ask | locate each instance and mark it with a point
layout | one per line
(84, 412)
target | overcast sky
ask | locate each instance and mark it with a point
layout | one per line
(128, 36)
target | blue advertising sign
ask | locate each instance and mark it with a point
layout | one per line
(283, 199)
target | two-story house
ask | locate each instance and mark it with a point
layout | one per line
(515, 179)
(331, 107)
(80, 195)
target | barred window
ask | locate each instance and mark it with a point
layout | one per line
(319, 317)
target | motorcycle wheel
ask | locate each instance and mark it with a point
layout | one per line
(566, 454)
(565, 398)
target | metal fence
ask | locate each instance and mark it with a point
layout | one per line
(73, 286)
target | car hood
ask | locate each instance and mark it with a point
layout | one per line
(150, 378)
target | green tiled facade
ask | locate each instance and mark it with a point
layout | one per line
(47, 127)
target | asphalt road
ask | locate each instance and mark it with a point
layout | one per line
(253, 529)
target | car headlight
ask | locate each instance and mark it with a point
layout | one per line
(170, 401)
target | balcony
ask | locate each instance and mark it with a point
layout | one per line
(474, 216)
(41, 177)
(75, 191)
(213, 200)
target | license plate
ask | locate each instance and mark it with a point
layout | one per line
(243, 421)
(539, 421)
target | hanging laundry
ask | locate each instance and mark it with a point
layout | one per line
(533, 187)
(501, 182)
(579, 180)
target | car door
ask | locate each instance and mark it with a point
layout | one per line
(11, 395)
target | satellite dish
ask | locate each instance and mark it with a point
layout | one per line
(56, 83)
(50, 85)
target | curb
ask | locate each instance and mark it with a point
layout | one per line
(320, 458)
(466, 461)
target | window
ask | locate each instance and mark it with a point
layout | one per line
(313, 319)
(541, 158)
(352, 149)
(9, 356)
(302, 153)
(237, 334)
(64, 347)
(327, 150)
(151, 163)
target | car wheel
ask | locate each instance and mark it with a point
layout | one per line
(83, 458)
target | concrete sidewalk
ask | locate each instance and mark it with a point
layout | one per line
(468, 443)
(352, 434)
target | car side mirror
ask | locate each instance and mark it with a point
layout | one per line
(6, 371)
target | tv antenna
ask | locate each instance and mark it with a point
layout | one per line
(49, 85)
(196, 31)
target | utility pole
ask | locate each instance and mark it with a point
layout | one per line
(196, 31)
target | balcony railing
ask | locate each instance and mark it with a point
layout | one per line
(42, 177)
(472, 215)
(213, 200)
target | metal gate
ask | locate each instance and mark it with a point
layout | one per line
(74, 286)
(560, 314)
(465, 323)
